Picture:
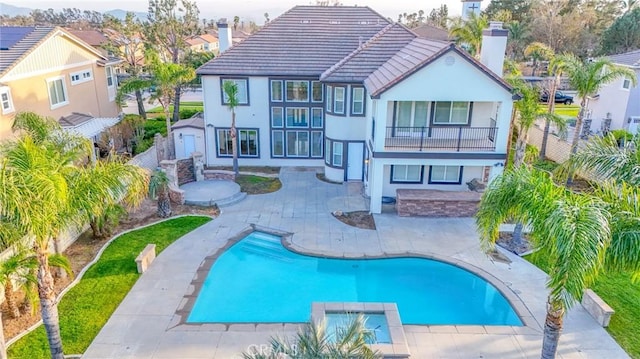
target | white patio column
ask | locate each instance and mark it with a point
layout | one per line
(496, 170)
(376, 181)
(503, 120)
(380, 125)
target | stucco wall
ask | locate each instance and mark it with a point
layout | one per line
(613, 100)
(178, 136)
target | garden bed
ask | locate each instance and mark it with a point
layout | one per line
(359, 219)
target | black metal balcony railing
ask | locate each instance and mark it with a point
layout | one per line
(456, 138)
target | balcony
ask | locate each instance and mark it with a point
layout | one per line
(442, 139)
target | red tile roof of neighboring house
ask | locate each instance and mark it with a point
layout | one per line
(432, 32)
(92, 37)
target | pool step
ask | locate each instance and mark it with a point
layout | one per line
(264, 246)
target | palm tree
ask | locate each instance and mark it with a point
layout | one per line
(555, 69)
(469, 33)
(231, 92)
(18, 269)
(314, 341)
(159, 188)
(165, 77)
(46, 189)
(538, 51)
(518, 35)
(582, 234)
(587, 78)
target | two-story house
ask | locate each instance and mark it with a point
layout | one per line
(617, 104)
(49, 71)
(368, 99)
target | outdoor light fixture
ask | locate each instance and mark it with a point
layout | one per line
(498, 164)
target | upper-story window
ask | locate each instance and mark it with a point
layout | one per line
(243, 91)
(83, 76)
(451, 113)
(5, 97)
(626, 83)
(111, 78)
(276, 90)
(57, 92)
(316, 91)
(329, 98)
(357, 100)
(297, 91)
(411, 113)
(338, 100)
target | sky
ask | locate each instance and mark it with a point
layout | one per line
(248, 9)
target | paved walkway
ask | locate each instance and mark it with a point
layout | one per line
(144, 325)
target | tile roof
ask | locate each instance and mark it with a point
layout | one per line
(74, 119)
(414, 56)
(197, 121)
(631, 58)
(358, 65)
(92, 37)
(24, 45)
(431, 32)
(208, 38)
(304, 41)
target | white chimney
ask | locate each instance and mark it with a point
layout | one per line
(224, 35)
(494, 46)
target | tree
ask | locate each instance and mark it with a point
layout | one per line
(519, 9)
(469, 33)
(17, 268)
(159, 189)
(266, 18)
(538, 51)
(314, 341)
(518, 37)
(231, 96)
(236, 21)
(126, 42)
(555, 68)
(171, 23)
(46, 190)
(165, 78)
(587, 78)
(581, 233)
(439, 17)
(623, 35)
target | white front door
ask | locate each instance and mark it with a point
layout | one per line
(189, 142)
(355, 161)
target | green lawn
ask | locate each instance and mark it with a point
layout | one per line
(622, 295)
(88, 305)
(258, 185)
(563, 110)
(196, 106)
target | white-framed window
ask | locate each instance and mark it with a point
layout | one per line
(357, 100)
(451, 113)
(243, 91)
(336, 159)
(297, 143)
(297, 117)
(7, 102)
(411, 114)
(276, 90)
(626, 83)
(445, 174)
(277, 143)
(277, 117)
(406, 174)
(297, 91)
(316, 144)
(338, 100)
(111, 76)
(81, 76)
(316, 117)
(329, 99)
(316, 91)
(57, 92)
(247, 142)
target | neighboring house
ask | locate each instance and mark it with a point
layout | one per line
(94, 38)
(49, 71)
(367, 99)
(432, 32)
(204, 42)
(617, 105)
(188, 136)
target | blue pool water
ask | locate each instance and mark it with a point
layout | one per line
(257, 280)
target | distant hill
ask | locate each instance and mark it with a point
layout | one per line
(6, 9)
(120, 14)
(10, 10)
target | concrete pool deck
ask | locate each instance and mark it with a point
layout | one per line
(145, 325)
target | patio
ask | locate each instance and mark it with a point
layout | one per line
(146, 326)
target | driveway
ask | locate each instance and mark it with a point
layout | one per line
(145, 325)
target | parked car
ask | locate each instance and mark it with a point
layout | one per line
(560, 97)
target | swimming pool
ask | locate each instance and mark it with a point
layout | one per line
(257, 280)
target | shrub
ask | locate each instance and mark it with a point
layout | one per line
(187, 113)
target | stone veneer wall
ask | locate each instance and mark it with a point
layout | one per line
(433, 203)
(186, 171)
(219, 175)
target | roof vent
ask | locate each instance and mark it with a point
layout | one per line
(305, 21)
(334, 22)
(364, 22)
